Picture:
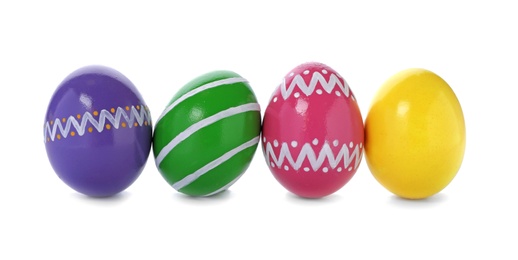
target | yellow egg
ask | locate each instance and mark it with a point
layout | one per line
(415, 134)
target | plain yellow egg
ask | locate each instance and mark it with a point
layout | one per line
(415, 134)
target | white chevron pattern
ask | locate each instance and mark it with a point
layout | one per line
(316, 162)
(308, 89)
(135, 115)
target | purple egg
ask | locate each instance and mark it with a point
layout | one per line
(97, 131)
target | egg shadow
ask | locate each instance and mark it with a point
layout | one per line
(216, 198)
(109, 200)
(312, 201)
(434, 200)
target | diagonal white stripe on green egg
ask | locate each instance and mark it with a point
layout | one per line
(200, 89)
(208, 134)
(203, 123)
(194, 176)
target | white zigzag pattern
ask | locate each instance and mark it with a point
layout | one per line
(308, 153)
(328, 86)
(135, 115)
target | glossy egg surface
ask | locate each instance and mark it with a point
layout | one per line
(207, 135)
(313, 131)
(97, 131)
(415, 134)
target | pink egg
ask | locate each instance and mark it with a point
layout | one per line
(312, 134)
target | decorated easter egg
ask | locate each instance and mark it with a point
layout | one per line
(207, 135)
(97, 131)
(415, 134)
(312, 135)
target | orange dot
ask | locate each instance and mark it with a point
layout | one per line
(145, 122)
(63, 120)
(138, 107)
(59, 136)
(78, 116)
(135, 124)
(90, 129)
(72, 133)
(48, 139)
(108, 126)
(51, 122)
(96, 113)
(127, 108)
(123, 124)
(112, 110)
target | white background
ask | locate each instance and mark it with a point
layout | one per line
(160, 47)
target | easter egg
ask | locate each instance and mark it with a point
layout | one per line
(207, 135)
(97, 131)
(313, 131)
(415, 134)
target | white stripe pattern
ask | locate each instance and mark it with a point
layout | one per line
(203, 123)
(135, 115)
(203, 170)
(200, 89)
(226, 186)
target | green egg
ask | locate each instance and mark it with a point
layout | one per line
(207, 135)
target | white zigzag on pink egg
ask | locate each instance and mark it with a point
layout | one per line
(135, 115)
(308, 89)
(307, 153)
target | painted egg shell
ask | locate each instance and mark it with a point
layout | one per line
(207, 135)
(313, 131)
(97, 131)
(415, 134)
